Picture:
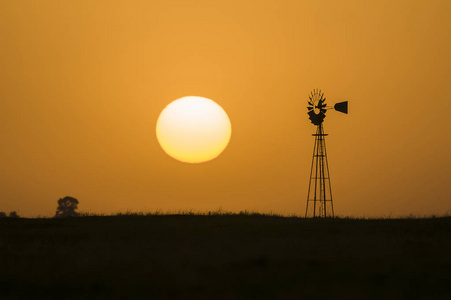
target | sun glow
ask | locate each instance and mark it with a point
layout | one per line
(193, 129)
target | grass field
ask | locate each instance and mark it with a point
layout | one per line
(224, 256)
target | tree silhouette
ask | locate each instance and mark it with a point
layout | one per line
(67, 207)
(2, 214)
(13, 214)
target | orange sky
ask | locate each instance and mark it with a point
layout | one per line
(83, 82)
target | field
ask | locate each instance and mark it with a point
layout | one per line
(224, 256)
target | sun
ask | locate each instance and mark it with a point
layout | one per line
(193, 129)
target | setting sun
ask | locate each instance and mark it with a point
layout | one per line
(193, 129)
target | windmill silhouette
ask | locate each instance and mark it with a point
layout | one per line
(319, 197)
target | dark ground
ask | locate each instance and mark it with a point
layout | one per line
(225, 256)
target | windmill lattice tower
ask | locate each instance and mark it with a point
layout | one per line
(319, 197)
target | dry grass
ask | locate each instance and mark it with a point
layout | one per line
(224, 255)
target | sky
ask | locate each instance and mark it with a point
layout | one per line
(82, 84)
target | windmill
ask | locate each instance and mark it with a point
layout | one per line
(319, 198)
